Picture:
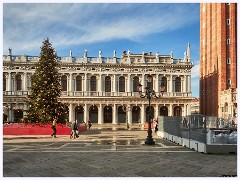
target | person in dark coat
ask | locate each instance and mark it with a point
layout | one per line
(74, 128)
(89, 124)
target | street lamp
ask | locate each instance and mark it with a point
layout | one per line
(149, 93)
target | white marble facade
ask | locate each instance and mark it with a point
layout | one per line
(104, 89)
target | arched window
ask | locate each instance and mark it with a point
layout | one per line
(178, 84)
(135, 83)
(177, 111)
(64, 83)
(150, 81)
(163, 87)
(122, 84)
(93, 83)
(19, 82)
(78, 83)
(163, 111)
(4, 83)
(107, 84)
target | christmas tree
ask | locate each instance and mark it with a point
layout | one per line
(46, 89)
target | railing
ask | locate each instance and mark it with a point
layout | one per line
(100, 94)
(16, 93)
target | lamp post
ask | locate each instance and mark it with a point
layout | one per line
(149, 93)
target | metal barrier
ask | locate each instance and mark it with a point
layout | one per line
(204, 129)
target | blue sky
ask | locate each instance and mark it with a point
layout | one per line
(162, 27)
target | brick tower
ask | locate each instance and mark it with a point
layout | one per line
(218, 59)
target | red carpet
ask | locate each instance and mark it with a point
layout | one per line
(38, 129)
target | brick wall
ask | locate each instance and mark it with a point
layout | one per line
(214, 51)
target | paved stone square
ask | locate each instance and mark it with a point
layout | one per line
(109, 152)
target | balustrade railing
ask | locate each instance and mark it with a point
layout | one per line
(100, 94)
(16, 93)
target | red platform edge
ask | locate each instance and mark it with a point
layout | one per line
(38, 129)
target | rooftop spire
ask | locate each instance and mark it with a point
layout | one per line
(188, 51)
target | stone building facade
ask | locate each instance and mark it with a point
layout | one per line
(218, 59)
(104, 89)
(195, 106)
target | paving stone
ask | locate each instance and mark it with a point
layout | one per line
(117, 153)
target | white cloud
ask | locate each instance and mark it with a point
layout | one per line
(26, 25)
(195, 70)
(195, 79)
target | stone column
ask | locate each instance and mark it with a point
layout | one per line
(68, 79)
(100, 114)
(86, 113)
(70, 113)
(157, 110)
(74, 82)
(157, 84)
(114, 84)
(25, 82)
(70, 84)
(184, 112)
(85, 82)
(114, 114)
(13, 82)
(82, 82)
(29, 80)
(185, 84)
(189, 83)
(188, 110)
(170, 112)
(9, 83)
(182, 84)
(100, 84)
(129, 83)
(143, 115)
(129, 114)
(171, 84)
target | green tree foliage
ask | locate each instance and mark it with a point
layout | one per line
(46, 89)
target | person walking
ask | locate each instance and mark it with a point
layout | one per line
(156, 127)
(54, 128)
(74, 129)
(89, 124)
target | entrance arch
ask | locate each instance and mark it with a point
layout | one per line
(121, 114)
(93, 114)
(177, 111)
(136, 114)
(163, 111)
(79, 113)
(107, 114)
(18, 114)
(151, 113)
